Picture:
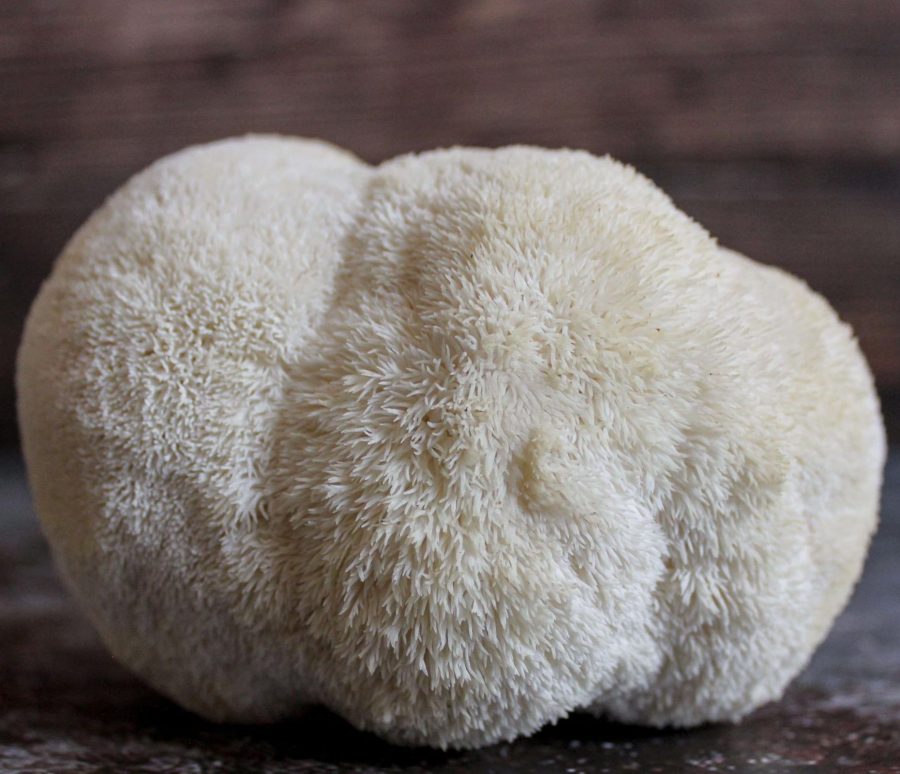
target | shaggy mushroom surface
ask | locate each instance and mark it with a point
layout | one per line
(454, 445)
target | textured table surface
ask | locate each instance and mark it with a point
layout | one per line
(66, 706)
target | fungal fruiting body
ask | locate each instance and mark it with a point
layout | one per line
(454, 445)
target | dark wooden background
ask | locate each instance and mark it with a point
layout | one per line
(775, 124)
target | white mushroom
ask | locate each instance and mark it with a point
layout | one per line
(454, 445)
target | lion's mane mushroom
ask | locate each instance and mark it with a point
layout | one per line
(454, 445)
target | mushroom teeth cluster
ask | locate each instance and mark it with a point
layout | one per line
(454, 445)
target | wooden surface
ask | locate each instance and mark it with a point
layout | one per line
(775, 124)
(66, 706)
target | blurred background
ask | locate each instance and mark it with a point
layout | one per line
(775, 124)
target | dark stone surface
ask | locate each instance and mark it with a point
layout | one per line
(66, 706)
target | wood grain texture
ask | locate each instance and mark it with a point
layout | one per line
(776, 125)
